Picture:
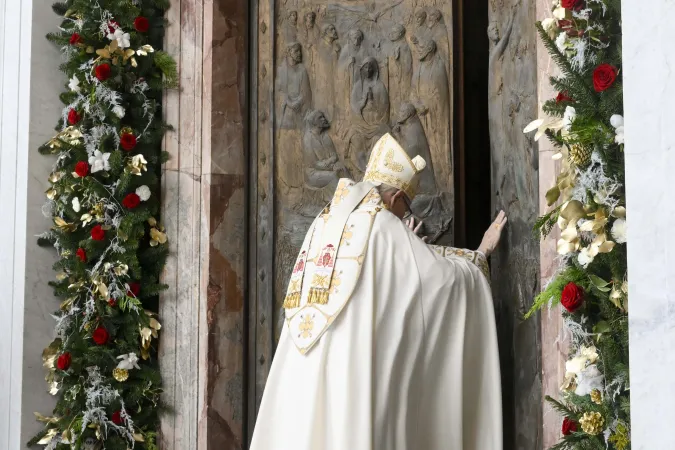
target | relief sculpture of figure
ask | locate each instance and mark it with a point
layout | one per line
(400, 66)
(322, 165)
(421, 31)
(351, 58)
(290, 28)
(327, 54)
(438, 32)
(369, 115)
(428, 204)
(294, 88)
(309, 37)
(430, 95)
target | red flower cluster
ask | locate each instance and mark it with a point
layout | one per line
(73, 116)
(112, 302)
(98, 233)
(131, 201)
(134, 289)
(576, 5)
(116, 418)
(64, 360)
(75, 39)
(569, 426)
(563, 97)
(102, 71)
(572, 297)
(604, 77)
(128, 141)
(81, 254)
(100, 336)
(112, 25)
(82, 169)
(141, 24)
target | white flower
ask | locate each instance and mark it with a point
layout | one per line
(588, 380)
(76, 204)
(128, 361)
(568, 118)
(616, 120)
(619, 139)
(561, 41)
(99, 161)
(123, 39)
(143, 192)
(619, 231)
(585, 257)
(549, 25)
(118, 111)
(74, 84)
(559, 12)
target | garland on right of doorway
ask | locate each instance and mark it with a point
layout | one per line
(585, 123)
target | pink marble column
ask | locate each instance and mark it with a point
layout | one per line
(204, 211)
(553, 347)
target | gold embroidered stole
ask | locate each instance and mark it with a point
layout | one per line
(476, 258)
(331, 255)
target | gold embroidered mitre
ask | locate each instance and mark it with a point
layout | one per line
(390, 164)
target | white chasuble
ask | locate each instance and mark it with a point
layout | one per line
(401, 354)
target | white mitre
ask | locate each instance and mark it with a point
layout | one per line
(390, 164)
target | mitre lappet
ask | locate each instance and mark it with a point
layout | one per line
(331, 257)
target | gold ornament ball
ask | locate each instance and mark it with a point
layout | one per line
(592, 423)
(596, 396)
(121, 374)
(579, 155)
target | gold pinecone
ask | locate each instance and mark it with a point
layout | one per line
(580, 156)
(596, 396)
(120, 374)
(592, 423)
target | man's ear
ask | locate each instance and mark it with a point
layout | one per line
(396, 196)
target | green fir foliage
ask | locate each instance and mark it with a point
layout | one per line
(598, 323)
(104, 201)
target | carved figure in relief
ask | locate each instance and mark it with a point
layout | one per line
(400, 66)
(309, 37)
(291, 28)
(438, 32)
(430, 95)
(421, 31)
(369, 115)
(294, 89)
(322, 165)
(327, 54)
(427, 204)
(351, 58)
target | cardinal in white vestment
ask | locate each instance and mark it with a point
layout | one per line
(388, 343)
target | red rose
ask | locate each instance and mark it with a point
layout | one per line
(604, 77)
(117, 418)
(82, 255)
(134, 289)
(569, 426)
(73, 117)
(112, 26)
(102, 71)
(64, 361)
(98, 233)
(82, 169)
(572, 297)
(75, 39)
(100, 336)
(576, 5)
(112, 302)
(131, 201)
(141, 24)
(128, 141)
(564, 23)
(563, 97)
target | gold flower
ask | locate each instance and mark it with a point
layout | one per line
(596, 396)
(137, 165)
(64, 226)
(157, 237)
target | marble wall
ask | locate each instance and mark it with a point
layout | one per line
(649, 90)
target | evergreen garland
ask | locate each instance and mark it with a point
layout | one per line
(584, 122)
(104, 202)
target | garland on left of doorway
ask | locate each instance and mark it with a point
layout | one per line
(104, 203)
